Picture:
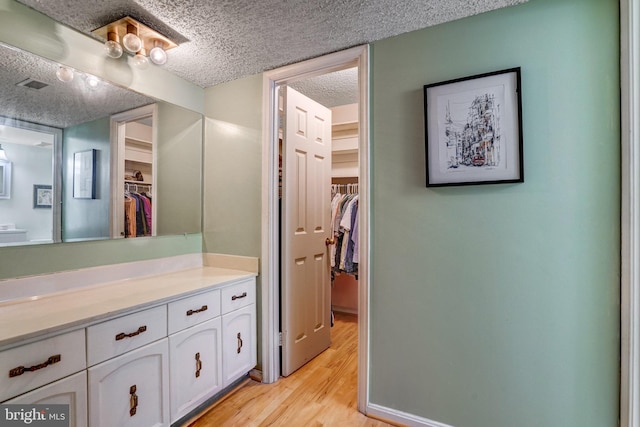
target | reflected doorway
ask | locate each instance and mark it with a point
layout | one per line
(133, 199)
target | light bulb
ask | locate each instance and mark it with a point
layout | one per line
(64, 74)
(113, 48)
(132, 42)
(92, 81)
(158, 56)
(140, 61)
(3, 155)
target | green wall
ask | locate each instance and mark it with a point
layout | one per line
(233, 167)
(22, 261)
(86, 218)
(497, 305)
(179, 170)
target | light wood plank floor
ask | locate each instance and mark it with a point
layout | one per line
(321, 393)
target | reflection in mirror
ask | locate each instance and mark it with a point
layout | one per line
(71, 117)
(30, 150)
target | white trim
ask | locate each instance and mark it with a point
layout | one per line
(630, 215)
(403, 418)
(357, 56)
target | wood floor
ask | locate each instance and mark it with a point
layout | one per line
(321, 393)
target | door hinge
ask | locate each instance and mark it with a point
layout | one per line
(280, 339)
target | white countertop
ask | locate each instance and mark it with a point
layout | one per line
(36, 316)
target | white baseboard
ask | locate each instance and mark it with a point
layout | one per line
(403, 418)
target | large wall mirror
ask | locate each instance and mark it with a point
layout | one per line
(62, 179)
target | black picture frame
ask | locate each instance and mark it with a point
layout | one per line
(473, 130)
(42, 196)
(84, 174)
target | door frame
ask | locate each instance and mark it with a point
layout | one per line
(630, 214)
(270, 258)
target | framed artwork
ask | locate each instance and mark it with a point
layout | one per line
(42, 196)
(84, 174)
(473, 130)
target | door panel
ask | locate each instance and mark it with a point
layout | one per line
(306, 297)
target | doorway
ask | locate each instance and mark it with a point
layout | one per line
(355, 57)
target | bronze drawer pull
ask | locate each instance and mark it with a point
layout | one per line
(239, 342)
(15, 372)
(122, 335)
(201, 309)
(133, 400)
(235, 297)
(198, 364)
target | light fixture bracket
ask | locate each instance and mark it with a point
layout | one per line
(146, 34)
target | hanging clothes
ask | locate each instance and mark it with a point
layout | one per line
(343, 227)
(137, 214)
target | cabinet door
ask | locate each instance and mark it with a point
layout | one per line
(238, 343)
(70, 391)
(195, 366)
(131, 390)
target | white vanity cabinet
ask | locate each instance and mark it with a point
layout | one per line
(238, 330)
(144, 364)
(70, 391)
(195, 357)
(195, 351)
(59, 362)
(131, 390)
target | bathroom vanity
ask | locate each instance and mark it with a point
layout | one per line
(146, 351)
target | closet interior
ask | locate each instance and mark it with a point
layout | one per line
(138, 179)
(344, 197)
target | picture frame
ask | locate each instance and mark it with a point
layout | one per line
(42, 196)
(473, 130)
(84, 174)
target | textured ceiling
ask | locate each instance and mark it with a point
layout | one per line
(222, 40)
(331, 90)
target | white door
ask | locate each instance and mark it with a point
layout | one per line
(306, 216)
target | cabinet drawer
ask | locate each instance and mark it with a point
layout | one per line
(239, 295)
(193, 310)
(32, 365)
(117, 336)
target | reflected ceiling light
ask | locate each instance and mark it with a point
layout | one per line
(137, 39)
(64, 74)
(92, 81)
(3, 155)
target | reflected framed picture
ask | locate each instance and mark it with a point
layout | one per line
(84, 174)
(42, 197)
(473, 130)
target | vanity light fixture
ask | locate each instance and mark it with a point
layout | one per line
(137, 39)
(3, 154)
